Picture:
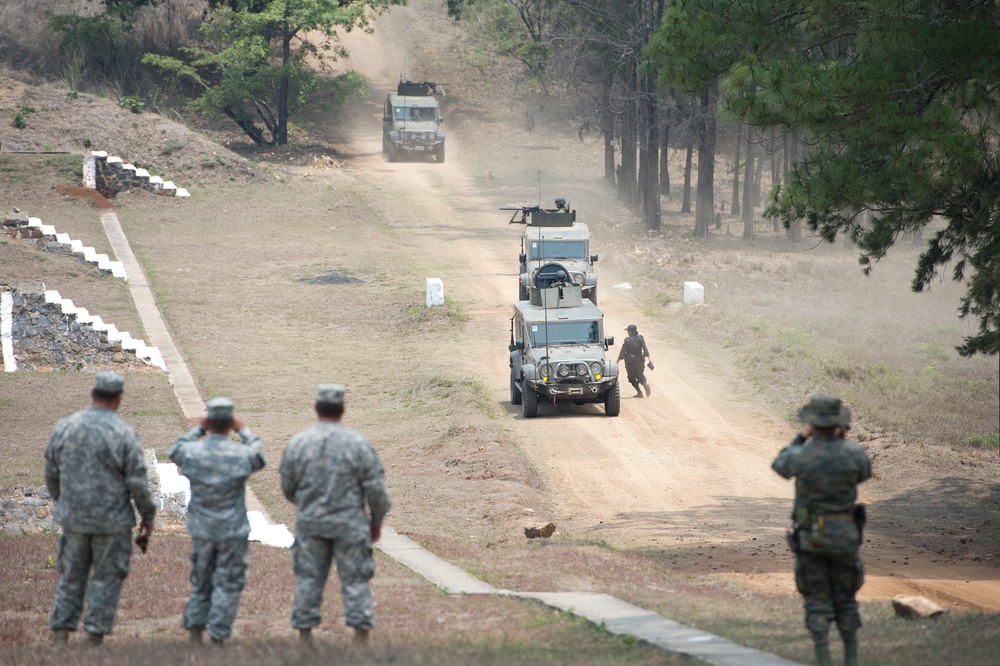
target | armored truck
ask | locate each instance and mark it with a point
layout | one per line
(553, 241)
(558, 352)
(411, 122)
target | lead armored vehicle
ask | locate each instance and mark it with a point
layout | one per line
(558, 351)
(553, 241)
(411, 121)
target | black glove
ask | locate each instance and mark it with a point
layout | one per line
(650, 365)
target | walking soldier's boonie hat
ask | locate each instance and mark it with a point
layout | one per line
(109, 382)
(330, 394)
(822, 411)
(220, 408)
(632, 327)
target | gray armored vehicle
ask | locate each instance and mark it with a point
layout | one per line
(411, 122)
(558, 352)
(553, 241)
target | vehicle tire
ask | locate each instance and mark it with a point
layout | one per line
(529, 401)
(613, 400)
(439, 152)
(593, 295)
(515, 393)
(392, 152)
(522, 293)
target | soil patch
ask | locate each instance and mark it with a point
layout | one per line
(80, 192)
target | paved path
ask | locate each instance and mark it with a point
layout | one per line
(615, 615)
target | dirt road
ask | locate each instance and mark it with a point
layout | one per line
(685, 469)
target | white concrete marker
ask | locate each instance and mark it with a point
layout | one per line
(268, 534)
(6, 331)
(435, 292)
(694, 293)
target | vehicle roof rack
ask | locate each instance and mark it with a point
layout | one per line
(535, 216)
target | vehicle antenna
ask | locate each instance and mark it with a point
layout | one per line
(544, 296)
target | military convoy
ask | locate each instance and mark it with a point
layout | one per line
(553, 241)
(558, 349)
(411, 121)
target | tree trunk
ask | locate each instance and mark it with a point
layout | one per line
(794, 230)
(686, 200)
(649, 151)
(664, 146)
(748, 209)
(608, 130)
(281, 135)
(628, 190)
(758, 178)
(704, 210)
(734, 206)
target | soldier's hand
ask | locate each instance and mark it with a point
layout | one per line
(376, 532)
(238, 423)
(146, 528)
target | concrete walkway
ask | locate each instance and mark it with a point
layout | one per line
(616, 616)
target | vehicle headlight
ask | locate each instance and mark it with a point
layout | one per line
(597, 369)
(564, 370)
(546, 372)
(581, 369)
(577, 278)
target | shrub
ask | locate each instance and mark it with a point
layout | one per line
(19, 121)
(132, 103)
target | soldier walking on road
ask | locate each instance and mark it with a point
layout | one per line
(827, 525)
(330, 472)
(217, 516)
(636, 354)
(93, 465)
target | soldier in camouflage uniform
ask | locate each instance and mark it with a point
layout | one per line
(93, 465)
(635, 353)
(828, 569)
(330, 472)
(217, 516)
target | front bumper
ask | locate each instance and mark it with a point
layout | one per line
(589, 391)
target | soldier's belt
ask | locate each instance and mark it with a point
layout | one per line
(839, 515)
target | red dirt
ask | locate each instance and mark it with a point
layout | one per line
(78, 192)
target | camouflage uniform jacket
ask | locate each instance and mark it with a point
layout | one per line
(93, 464)
(329, 471)
(827, 472)
(218, 469)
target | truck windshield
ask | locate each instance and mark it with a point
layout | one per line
(414, 113)
(558, 249)
(565, 333)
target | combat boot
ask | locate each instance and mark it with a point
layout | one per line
(851, 653)
(94, 639)
(361, 636)
(195, 636)
(305, 637)
(645, 385)
(218, 642)
(60, 637)
(823, 655)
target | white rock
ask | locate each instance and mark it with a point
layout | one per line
(694, 293)
(435, 292)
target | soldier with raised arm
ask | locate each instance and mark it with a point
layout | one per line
(94, 469)
(331, 473)
(217, 519)
(827, 522)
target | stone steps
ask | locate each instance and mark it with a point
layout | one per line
(148, 354)
(111, 175)
(48, 233)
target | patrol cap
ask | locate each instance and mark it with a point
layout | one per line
(822, 411)
(330, 394)
(632, 327)
(109, 382)
(560, 201)
(220, 408)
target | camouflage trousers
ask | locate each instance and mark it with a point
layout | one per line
(311, 559)
(828, 582)
(109, 556)
(218, 574)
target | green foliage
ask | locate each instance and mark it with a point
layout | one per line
(896, 102)
(253, 64)
(20, 117)
(983, 441)
(87, 143)
(132, 103)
